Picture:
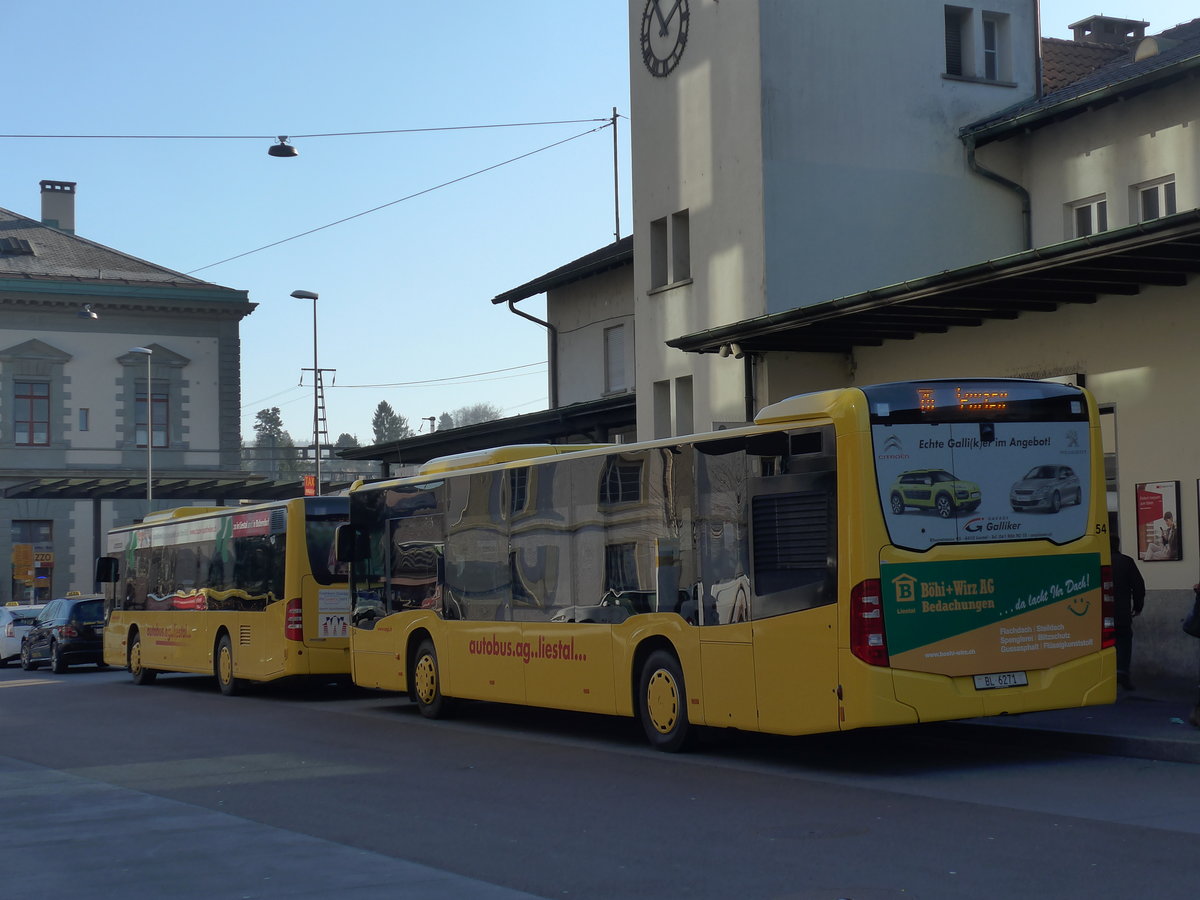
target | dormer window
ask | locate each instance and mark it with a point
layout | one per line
(10, 246)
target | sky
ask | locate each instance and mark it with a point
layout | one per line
(437, 221)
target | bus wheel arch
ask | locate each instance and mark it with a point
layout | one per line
(133, 659)
(425, 681)
(223, 665)
(660, 696)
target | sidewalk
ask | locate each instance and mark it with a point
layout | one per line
(1148, 723)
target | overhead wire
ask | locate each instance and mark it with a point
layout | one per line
(411, 196)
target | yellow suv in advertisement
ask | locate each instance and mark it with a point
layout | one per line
(934, 489)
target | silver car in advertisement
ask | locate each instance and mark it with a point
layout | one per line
(1048, 488)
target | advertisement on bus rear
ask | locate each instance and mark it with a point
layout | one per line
(953, 483)
(963, 617)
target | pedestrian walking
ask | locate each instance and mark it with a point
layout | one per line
(1129, 592)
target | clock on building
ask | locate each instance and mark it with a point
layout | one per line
(664, 34)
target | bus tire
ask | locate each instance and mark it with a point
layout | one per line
(139, 673)
(427, 683)
(223, 666)
(662, 703)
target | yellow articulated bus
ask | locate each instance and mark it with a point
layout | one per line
(250, 593)
(859, 557)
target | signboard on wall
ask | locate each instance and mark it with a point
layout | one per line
(1158, 521)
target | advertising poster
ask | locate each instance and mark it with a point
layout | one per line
(1158, 521)
(964, 482)
(965, 617)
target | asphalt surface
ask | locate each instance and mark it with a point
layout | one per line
(135, 844)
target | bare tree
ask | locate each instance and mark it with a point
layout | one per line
(470, 415)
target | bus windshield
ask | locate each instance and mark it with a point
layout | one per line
(975, 460)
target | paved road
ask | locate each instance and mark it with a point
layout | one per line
(175, 790)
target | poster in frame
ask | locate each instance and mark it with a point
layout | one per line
(1158, 537)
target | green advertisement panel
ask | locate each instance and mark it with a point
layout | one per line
(991, 615)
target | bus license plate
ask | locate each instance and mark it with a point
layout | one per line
(1000, 680)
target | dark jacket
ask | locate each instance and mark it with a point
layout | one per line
(1129, 590)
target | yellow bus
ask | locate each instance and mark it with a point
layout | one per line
(249, 593)
(859, 557)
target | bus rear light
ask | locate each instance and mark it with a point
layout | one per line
(868, 640)
(1108, 609)
(293, 622)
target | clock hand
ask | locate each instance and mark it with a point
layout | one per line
(663, 30)
(662, 23)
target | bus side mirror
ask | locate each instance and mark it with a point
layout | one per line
(346, 544)
(107, 570)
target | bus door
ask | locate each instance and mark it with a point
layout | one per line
(721, 593)
(793, 607)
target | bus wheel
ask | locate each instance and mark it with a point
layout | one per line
(427, 683)
(662, 703)
(224, 668)
(141, 675)
(944, 506)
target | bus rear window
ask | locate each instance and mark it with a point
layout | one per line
(318, 535)
(981, 460)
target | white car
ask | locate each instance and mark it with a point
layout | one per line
(14, 622)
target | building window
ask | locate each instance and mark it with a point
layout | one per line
(681, 246)
(31, 418)
(662, 409)
(614, 359)
(1088, 217)
(670, 250)
(1156, 199)
(684, 418)
(958, 22)
(159, 409)
(658, 253)
(996, 61)
(84, 418)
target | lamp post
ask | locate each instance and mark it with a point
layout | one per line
(309, 295)
(149, 426)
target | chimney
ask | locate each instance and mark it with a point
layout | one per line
(58, 205)
(1108, 30)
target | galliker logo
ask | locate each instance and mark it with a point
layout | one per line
(980, 523)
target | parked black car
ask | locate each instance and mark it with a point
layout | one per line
(68, 631)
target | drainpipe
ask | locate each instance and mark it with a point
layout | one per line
(552, 354)
(1022, 193)
(748, 376)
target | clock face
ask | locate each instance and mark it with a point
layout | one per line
(664, 34)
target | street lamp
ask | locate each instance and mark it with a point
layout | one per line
(309, 295)
(149, 427)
